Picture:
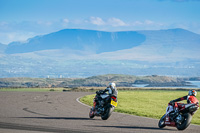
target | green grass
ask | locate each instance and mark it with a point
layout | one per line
(146, 103)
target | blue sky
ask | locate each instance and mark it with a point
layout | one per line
(22, 19)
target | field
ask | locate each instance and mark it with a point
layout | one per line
(147, 103)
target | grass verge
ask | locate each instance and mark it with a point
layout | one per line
(147, 103)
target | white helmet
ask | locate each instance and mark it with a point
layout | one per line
(112, 85)
(192, 93)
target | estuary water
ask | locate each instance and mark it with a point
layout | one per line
(195, 83)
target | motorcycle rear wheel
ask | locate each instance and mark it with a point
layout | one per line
(161, 122)
(185, 123)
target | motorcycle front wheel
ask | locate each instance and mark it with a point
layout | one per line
(107, 113)
(91, 114)
(161, 122)
(185, 123)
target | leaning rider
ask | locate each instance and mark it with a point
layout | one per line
(111, 89)
(191, 98)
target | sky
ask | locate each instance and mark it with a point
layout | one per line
(23, 19)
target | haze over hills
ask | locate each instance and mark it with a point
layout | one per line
(2, 48)
(83, 53)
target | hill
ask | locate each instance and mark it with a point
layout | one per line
(162, 46)
(94, 81)
(77, 39)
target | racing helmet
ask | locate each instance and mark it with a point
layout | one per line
(192, 93)
(112, 85)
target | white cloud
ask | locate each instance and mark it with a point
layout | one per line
(66, 20)
(146, 23)
(47, 23)
(149, 22)
(116, 22)
(9, 37)
(136, 23)
(97, 21)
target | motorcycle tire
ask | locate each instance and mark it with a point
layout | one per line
(185, 123)
(91, 114)
(107, 113)
(161, 122)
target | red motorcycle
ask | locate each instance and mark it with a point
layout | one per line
(179, 118)
(105, 105)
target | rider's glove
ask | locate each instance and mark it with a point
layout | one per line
(101, 91)
(97, 92)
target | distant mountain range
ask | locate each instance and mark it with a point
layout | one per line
(82, 53)
(77, 39)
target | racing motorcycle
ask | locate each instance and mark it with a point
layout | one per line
(105, 105)
(179, 118)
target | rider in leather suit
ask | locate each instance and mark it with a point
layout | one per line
(191, 98)
(111, 89)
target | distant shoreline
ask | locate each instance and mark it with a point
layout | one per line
(153, 81)
(94, 89)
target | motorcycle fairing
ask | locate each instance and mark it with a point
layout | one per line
(103, 96)
(168, 122)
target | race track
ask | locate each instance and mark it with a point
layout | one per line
(59, 112)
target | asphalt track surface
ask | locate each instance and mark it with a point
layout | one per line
(60, 112)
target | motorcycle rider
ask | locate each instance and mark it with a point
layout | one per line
(111, 89)
(191, 98)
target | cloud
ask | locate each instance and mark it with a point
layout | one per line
(116, 22)
(145, 23)
(65, 22)
(21, 31)
(47, 23)
(97, 21)
(9, 37)
(149, 22)
(136, 23)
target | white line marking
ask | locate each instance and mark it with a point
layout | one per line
(78, 100)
